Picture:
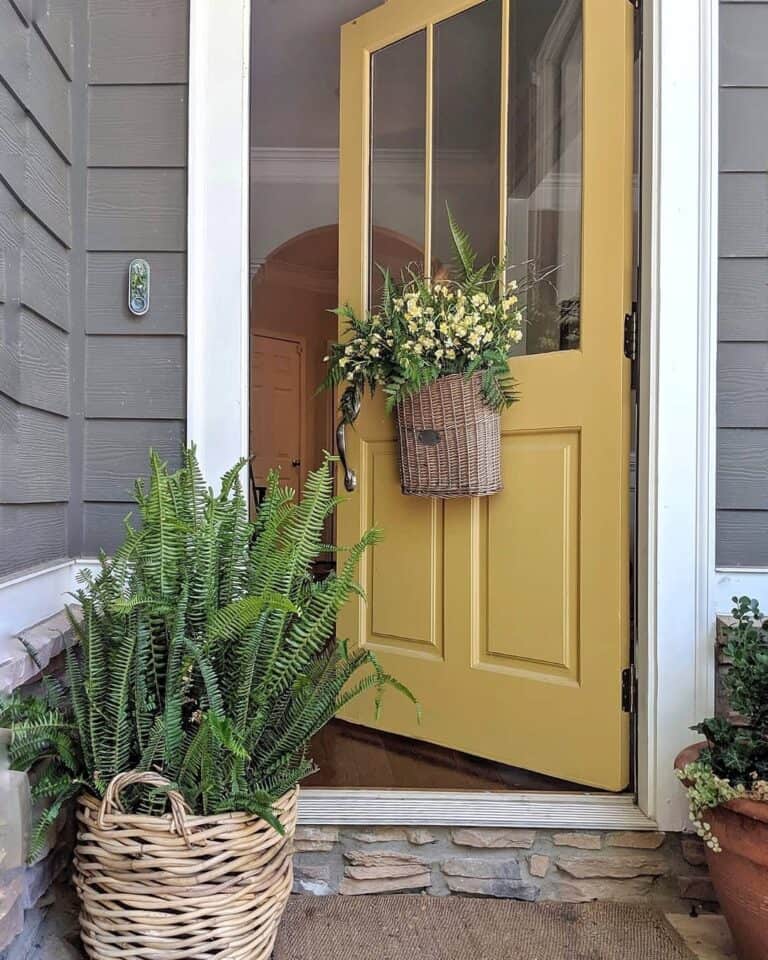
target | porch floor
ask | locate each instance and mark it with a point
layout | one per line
(54, 933)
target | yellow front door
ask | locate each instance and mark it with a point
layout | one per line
(507, 616)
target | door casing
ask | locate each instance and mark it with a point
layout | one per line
(677, 388)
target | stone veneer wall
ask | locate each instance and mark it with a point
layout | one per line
(573, 866)
(24, 887)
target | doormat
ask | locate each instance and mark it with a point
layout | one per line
(454, 928)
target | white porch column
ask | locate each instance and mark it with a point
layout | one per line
(217, 284)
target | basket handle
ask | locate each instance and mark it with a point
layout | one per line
(111, 801)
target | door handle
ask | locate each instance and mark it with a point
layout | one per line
(350, 410)
(350, 477)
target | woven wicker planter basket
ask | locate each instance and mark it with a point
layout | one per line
(180, 887)
(449, 440)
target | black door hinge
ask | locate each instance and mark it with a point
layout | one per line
(629, 690)
(630, 334)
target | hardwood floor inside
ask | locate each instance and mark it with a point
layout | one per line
(349, 755)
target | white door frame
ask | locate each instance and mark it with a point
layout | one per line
(677, 585)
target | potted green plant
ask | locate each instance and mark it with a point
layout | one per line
(439, 350)
(726, 778)
(207, 661)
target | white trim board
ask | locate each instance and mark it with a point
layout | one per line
(732, 582)
(37, 594)
(676, 612)
(676, 596)
(33, 596)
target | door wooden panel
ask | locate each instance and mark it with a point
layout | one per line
(405, 576)
(508, 616)
(532, 555)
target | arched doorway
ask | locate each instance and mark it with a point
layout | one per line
(292, 295)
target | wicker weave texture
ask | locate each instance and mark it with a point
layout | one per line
(449, 440)
(180, 887)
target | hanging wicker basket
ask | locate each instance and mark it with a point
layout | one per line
(179, 886)
(449, 440)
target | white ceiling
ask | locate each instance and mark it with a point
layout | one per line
(295, 70)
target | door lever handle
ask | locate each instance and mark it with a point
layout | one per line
(350, 477)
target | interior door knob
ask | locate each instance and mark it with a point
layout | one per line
(295, 463)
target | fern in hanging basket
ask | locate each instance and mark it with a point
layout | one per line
(439, 351)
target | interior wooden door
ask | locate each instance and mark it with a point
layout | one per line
(277, 409)
(507, 616)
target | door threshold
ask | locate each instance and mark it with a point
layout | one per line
(473, 808)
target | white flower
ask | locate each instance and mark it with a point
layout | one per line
(343, 361)
(349, 350)
(398, 302)
(417, 348)
(517, 336)
(374, 351)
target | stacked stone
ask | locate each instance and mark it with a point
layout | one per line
(722, 666)
(24, 885)
(573, 866)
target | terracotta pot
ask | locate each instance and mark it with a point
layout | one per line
(740, 872)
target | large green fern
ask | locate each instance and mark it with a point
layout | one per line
(207, 651)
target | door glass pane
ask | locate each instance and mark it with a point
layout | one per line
(465, 177)
(398, 138)
(545, 166)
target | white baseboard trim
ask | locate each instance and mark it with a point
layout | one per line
(36, 594)
(556, 811)
(33, 596)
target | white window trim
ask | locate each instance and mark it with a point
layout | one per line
(677, 589)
